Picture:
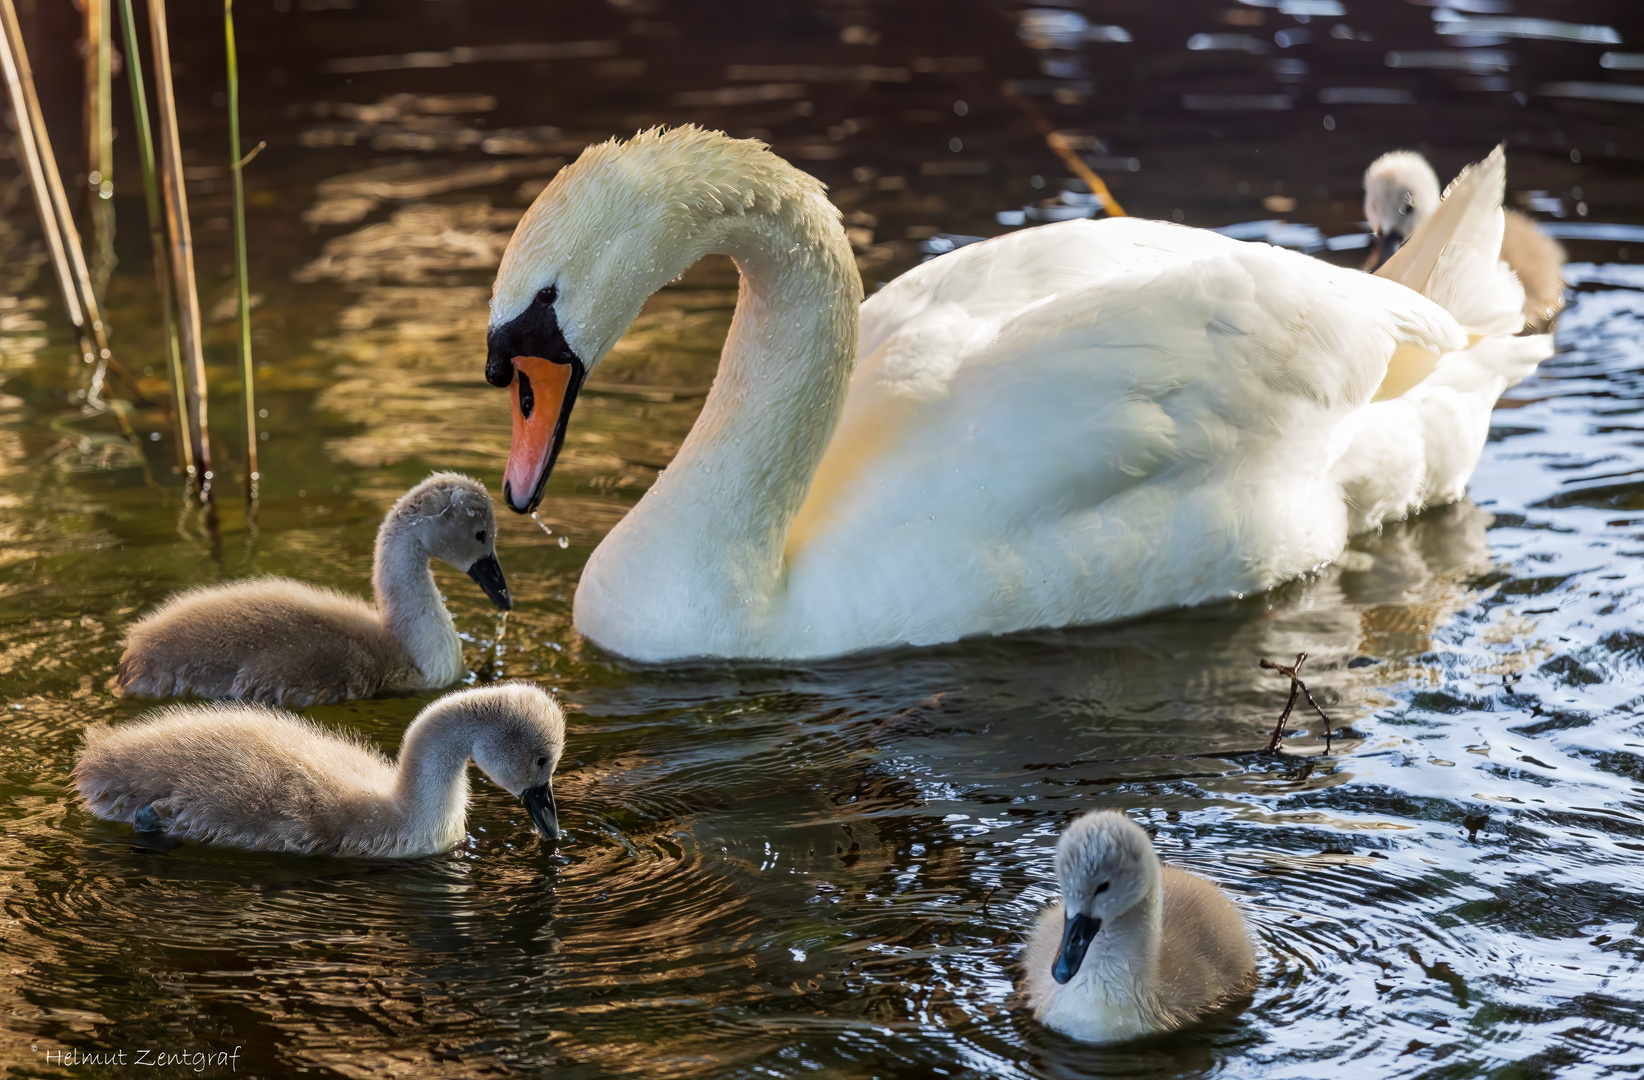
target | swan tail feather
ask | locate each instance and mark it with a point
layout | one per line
(1425, 448)
(1418, 449)
(1454, 258)
(1418, 442)
(1501, 362)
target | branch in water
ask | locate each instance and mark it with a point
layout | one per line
(1297, 689)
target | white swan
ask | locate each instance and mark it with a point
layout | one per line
(1070, 424)
(288, 643)
(1401, 191)
(256, 778)
(1133, 947)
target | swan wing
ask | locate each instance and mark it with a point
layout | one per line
(1096, 399)
(1454, 258)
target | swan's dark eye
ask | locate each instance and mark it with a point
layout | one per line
(480, 536)
(1100, 889)
(547, 295)
(541, 761)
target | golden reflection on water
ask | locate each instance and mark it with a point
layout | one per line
(421, 242)
(768, 866)
(409, 351)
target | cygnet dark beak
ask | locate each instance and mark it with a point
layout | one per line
(488, 573)
(1076, 938)
(539, 801)
(1386, 245)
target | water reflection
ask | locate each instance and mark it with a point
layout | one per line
(829, 868)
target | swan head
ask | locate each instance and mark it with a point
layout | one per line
(1105, 865)
(612, 228)
(519, 735)
(452, 517)
(1400, 192)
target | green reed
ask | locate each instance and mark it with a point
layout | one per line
(238, 164)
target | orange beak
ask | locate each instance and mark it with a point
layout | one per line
(543, 393)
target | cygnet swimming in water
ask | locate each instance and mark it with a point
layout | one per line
(1134, 947)
(280, 641)
(248, 776)
(1401, 191)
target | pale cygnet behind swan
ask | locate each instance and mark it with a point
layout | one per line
(1133, 947)
(281, 641)
(252, 777)
(1401, 191)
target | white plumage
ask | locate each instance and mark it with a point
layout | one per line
(1401, 192)
(1071, 424)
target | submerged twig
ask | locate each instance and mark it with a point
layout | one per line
(1297, 689)
(238, 165)
(157, 237)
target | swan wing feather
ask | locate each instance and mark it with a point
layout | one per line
(1177, 384)
(1454, 258)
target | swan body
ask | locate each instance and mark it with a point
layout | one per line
(1401, 191)
(1074, 423)
(252, 777)
(1134, 947)
(284, 642)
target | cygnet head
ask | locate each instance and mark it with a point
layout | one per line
(611, 229)
(519, 734)
(1106, 865)
(451, 516)
(1400, 192)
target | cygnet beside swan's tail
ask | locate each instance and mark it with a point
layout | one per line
(1416, 445)
(1454, 258)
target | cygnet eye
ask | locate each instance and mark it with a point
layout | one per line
(1100, 889)
(541, 761)
(480, 536)
(547, 295)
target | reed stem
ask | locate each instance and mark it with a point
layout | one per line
(100, 139)
(36, 170)
(1058, 146)
(62, 238)
(238, 163)
(157, 235)
(181, 248)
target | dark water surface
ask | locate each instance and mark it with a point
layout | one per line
(828, 869)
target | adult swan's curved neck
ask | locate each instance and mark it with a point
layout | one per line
(697, 567)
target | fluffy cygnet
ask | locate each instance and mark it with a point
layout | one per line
(1134, 947)
(1401, 191)
(248, 776)
(283, 642)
